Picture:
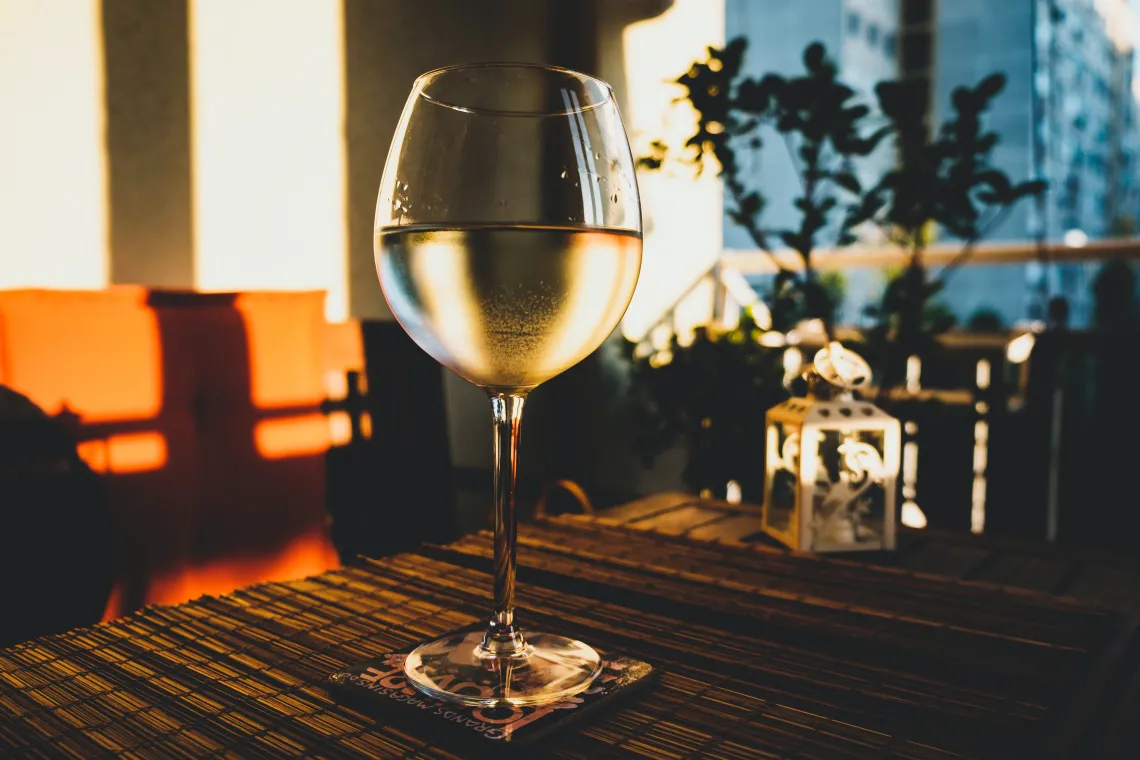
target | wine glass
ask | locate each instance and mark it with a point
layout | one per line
(508, 246)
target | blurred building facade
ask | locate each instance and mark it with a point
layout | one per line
(1068, 114)
(862, 38)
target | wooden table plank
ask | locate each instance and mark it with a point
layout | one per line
(650, 505)
(1102, 578)
(730, 528)
(1114, 587)
(764, 654)
(677, 521)
(1122, 736)
(942, 559)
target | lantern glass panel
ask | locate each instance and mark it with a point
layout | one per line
(783, 482)
(849, 497)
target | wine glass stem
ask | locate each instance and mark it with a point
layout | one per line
(502, 637)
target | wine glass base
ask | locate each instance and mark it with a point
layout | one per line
(457, 669)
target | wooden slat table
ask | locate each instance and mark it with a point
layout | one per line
(1094, 577)
(1091, 575)
(765, 654)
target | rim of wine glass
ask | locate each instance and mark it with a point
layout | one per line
(427, 76)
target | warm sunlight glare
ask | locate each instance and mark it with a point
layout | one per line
(732, 492)
(124, 454)
(269, 163)
(285, 333)
(595, 256)
(94, 454)
(53, 179)
(690, 312)
(793, 361)
(682, 214)
(910, 479)
(1020, 348)
(978, 491)
(97, 353)
(912, 516)
(336, 384)
(304, 435)
(340, 428)
(309, 554)
(982, 374)
(451, 300)
(1119, 23)
(344, 351)
(913, 374)
(135, 452)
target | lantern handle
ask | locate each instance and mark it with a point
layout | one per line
(837, 368)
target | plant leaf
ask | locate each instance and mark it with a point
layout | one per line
(990, 86)
(814, 57)
(848, 181)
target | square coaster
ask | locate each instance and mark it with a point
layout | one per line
(378, 687)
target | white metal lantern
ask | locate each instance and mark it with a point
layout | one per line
(832, 462)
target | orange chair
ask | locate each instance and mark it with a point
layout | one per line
(202, 411)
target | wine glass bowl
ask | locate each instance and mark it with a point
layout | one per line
(508, 306)
(508, 246)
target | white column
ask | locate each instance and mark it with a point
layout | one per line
(267, 84)
(53, 199)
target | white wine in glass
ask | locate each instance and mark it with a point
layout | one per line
(508, 306)
(508, 246)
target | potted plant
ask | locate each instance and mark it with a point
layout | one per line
(942, 182)
(945, 182)
(823, 126)
(713, 392)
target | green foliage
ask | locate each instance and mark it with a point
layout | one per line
(834, 283)
(1122, 225)
(945, 182)
(985, 320)
(712, 395)
(899, 291)
(787, 299)
(906, 322)
(948, 180)
(821, 125)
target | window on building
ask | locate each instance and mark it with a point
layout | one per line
(873, 34)
(890, 44)
(854, 23)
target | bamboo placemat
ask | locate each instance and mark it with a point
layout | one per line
(764, 655)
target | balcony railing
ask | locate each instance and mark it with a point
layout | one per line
(718, 294)
(984, 254)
